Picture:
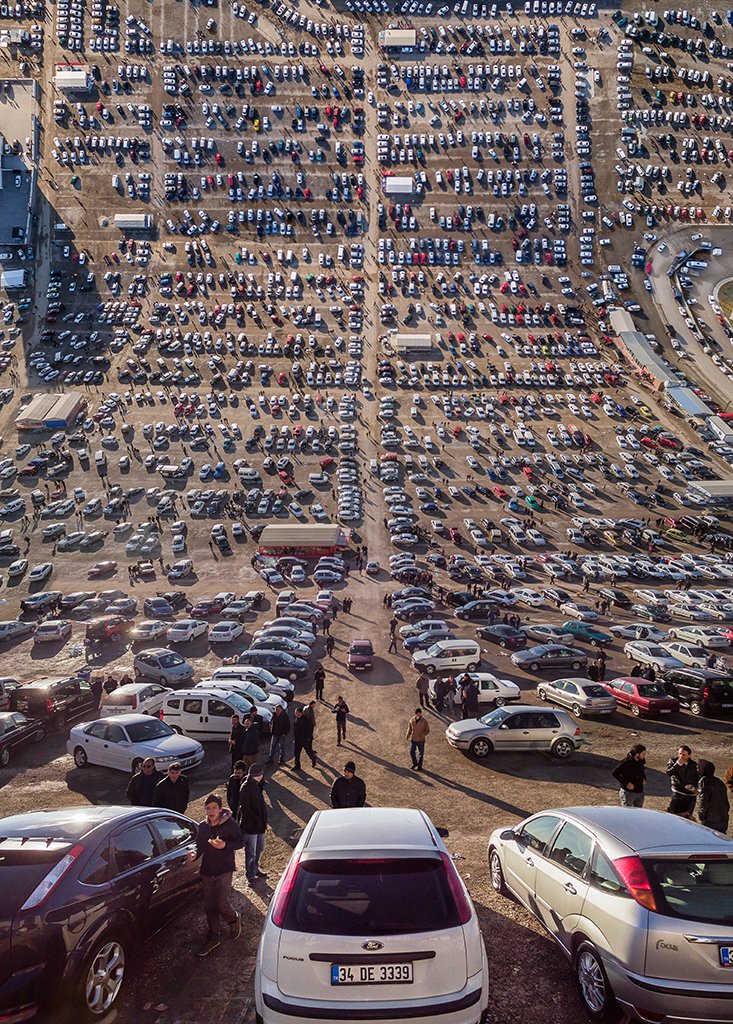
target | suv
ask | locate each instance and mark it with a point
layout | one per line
(639, 901)
(105, 627)
(54, 701)
(522, 727)
(702, 691)
(378, 924)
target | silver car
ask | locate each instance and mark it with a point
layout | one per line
(582, 696)
(639, 901)
(521, 727)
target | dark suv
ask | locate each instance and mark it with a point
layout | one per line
(82, 889)
(702, 691)
(54, 701)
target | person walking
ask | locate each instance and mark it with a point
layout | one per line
(216, 842)
(470, 697)
(279, 732)
(631, 776)
(417, 732)
(236, 740)
(457, 698)
(348, 790)
(713, 809)
(422, 685)
(141, 787)
(340, 710)
(250, 743)
(319, 677)
(172, 792)
(392, 642)
(600, 664)
(330, 644)
(303, 738)
(683, 774)
(252, 820)
(234, 785)
(310, 714)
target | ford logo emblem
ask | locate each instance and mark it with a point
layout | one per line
(372, 945)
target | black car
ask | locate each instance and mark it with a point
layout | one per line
(459, 598)
(701, 691)
(53, 701)
(82, 889)
(504, 636)
(615, 596)
(15, 731)
(475, 610)
(175, 598)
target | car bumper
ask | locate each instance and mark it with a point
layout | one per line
(464, 1007)
(459, 742)
(670, 1001)
(19, 995)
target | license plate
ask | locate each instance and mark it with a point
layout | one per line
(726, 956)
(372, 974)
(726, 705)
(665, 711)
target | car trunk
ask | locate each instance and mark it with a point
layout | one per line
(374, 929)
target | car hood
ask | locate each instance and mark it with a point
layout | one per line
(468, 727)
(168, 745)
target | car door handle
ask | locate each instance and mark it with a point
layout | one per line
(530, 862)
(569, 887)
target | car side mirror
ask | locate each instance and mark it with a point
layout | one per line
(507, 834)
(442, 832)
(504, 726)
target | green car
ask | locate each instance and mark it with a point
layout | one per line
(532, 502)
(585, 632)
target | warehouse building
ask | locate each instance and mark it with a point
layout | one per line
(411, 344)
(714, 492)
(52, 411)
(397, 185)
(72, 77)
(650, 367)
(398, 38)
(133, 221)
(685, 401)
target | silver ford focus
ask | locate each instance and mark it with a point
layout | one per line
(639, 900)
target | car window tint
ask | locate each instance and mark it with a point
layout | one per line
(518, 722)
(192, 707)
(571, 849)
(174, 703)
(174, 832)
(115, 734)
(97, 729)
(97, 871)
(538, 832)
(219, 708)
(132, 848)
(628, 688)
(603, 876)
(543, 720)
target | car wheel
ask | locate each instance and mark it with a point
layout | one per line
(481, 747)
(497, 873)
(103, 977)
(695, 708)
(635, 710)
(472, 667)
(562, 749)
(595, 992)
(534, 666)
(137, 673)
(4, 757)
(499, 702)
(577, 710)
(162, 680)
(80, 757)
(502, 643)
(576, 666)
(429, 669)
(542, 693)
(136, 765)
(595, 643)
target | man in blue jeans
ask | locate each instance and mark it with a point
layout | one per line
(252, 819)
(279, 732)
(417, 732)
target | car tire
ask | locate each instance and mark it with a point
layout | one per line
(472, 667)
(4, 757)
(502, 643)
(136, 672)
(656, 668)
(102, 977)
(576, 666)
(696, 708)
(542, 693)
(534, 666)
(80, 757)
(429, 669)
(577, 710)
(497, 873)
(562, 749)
(499, 702)
(136, 765)
(635, 710)
(594, 989)
(481, 747)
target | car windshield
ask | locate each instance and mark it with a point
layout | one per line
(371, 897)
(170, 660)
(152, 729)
(495, 718)
(652, 690)
(693, 888)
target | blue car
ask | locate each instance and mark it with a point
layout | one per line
(587, 633)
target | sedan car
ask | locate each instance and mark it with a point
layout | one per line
(576, 610)
(52, 631)
(503, 636)
(705, 636)
(492, 691)
(545, 632)
(616, 888)
(645, 653)
(521, 727)
(186, 630)
(148, 629)
(587, 634)
(269, 642)
(279, 663)
(15, 731)
(550, 656)
(639, 631)
(641, 696)
(582, 696)
(124, 741)
(225, 632)
(59, 858)
(415, 608)
(40, 572)
(134, 698)
(413, 948)
(361, 655)
(687, 653)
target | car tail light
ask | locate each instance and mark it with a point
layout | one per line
(286, 887)
(706, 693)
(49, 706)
(160, 714)
(577, 730)
(48, 884)
(134, 703)
(463, 904)
(633, 875)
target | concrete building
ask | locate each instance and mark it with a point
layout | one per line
(408, 344)
(714, 492)
(685, 401)
(398, 185)
(650, 367)
(398, 38)
(51, 411)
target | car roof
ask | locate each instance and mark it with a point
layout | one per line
(357, 829)
(533, 707)
(649, 832)
(70, 823)
(41, 684)
(133, 718)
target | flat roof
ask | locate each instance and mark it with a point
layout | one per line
(685, 398)
(411, 341)
(722, 488)
(398, 183)
(316, 534)
(639, 348)
(398, 37)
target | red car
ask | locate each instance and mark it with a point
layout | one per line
(361, 655)
(641, 696)
(102, 569)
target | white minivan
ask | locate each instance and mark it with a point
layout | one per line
(449, 656)
(207, 714)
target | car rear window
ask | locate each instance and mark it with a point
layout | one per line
(371, 897)
(22, 871)
(694, 889)
(119, 699)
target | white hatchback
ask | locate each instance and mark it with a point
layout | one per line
(371, 922)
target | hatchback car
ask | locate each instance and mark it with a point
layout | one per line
(137, 698)
(581, 696)
(639, 902)
(550, 656)
(167, 667)
(15, 731)
(112, 860)
(522, 727)
(503, 636)
(371, 922)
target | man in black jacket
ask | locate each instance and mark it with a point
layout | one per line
(631, 776)
(303, 737)
(141, 787)
(172, 790)
(236, 740)
(683, 775)
(349, 790)
(251, 742)
(713, 809)
(218, 838)
(252, 820)
(279, 731)
(234, 786)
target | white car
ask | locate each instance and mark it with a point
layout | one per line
(247, 688)
(532, 598)
(492, 691)
(185, 630)
(639, 631)
(18, 568)
(124, 741)
(646, 653)
(134, 698)
(52, 631)
(225, 632)
(149, 629)
(40, 572)
(688, 654)
(706, 636)
(179, 569)
(178, 544)
(578, 611)
(413, 950)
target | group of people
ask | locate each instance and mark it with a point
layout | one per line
(694, 785)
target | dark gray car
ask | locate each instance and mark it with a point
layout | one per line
(550, 656)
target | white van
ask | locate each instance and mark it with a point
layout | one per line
(449, 656)
(172, 472)
(207, 714)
